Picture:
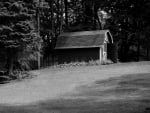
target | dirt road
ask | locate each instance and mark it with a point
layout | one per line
(52, 83)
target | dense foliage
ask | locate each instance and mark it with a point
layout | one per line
(130, 25)
(17, 32)
(128, 21)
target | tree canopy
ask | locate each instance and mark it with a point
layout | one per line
(17, 30)
(128, 21)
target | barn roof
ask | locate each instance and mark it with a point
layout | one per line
(83, 39)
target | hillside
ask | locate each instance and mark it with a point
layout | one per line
(112, 88)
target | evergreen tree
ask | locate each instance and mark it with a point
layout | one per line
(16, 28)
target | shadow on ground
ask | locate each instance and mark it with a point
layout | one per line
(125, 94)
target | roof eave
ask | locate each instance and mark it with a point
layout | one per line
(78, 47)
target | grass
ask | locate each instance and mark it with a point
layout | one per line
(126, 94)
(129, 93)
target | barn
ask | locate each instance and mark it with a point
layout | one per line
(85, 46)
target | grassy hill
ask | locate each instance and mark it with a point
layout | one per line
(116, 88)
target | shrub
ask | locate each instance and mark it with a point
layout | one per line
(106, 62)
(83, 63)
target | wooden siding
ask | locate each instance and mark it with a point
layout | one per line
(73, 55)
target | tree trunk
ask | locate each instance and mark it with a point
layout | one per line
(126, 58)
(52, 29)
(138, 49)
(100, 25)
(38, 32)
(52, 17)
(10, 66)
(124, 51)
(99, 19)
(147, 53)
(61, 17)
(10, 61)
(93, 17)
(58, 19)
(66, 12)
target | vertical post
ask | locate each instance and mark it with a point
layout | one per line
(105, 50)
(100, 55)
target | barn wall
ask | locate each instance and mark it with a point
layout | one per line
(73, 55)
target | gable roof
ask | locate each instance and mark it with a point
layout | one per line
(83, 39)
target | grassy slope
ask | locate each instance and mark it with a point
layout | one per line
(129, 93)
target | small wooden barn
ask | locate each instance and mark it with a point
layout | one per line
(85, 46)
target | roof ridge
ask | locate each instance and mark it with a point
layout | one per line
(94, 32)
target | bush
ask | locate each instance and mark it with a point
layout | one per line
(83, 63)
(106, 62)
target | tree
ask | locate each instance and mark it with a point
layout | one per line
(128, 23)
(127, 20)
(17, 31)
